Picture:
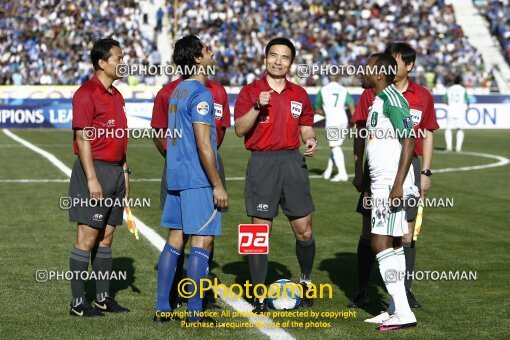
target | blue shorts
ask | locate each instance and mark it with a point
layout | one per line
(192, 211)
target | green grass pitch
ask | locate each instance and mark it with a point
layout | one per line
(471, 236)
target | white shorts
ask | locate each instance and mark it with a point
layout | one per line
(453, 123)
(454, 118)
(385, 220)
(335, 135)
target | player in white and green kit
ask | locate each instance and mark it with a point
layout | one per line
(388, 122)
(457, 99)
(330, 102)
(390, 149)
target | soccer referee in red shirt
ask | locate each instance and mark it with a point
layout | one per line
(272, 114)
(100, 172)
(423, 114)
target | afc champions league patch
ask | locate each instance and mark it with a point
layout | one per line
(295, 108)
(407, 122)
(203, 108)
(218, 111)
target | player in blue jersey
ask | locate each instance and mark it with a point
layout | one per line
(195, 193)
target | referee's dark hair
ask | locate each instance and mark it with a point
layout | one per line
(406, 52)
(101, 51)
(185, 52)
(282, 41)
(386, 62)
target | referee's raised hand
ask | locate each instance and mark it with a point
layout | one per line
(264, 97)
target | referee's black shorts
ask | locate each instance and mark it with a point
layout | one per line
(97, 215)
(411, 209)
(276, 178)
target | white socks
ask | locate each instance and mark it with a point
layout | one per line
(448, 138)
(338, 157)
(329, 169)
(460, 140)
(390, 266)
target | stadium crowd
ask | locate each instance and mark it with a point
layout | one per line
(48, 43)
(498, 15)
(335, 32)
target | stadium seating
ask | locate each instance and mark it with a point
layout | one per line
(342, 32)
(498, 15)
(49, 44)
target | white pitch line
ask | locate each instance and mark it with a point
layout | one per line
(61, 166)
(157, 241)
(501, 161)
(28, 180)
(243, 306)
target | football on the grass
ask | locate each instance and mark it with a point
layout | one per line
(283, 294)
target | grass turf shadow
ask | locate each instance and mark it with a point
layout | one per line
(119, 264)
(343, 272)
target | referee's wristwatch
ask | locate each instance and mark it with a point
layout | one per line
(257, 106)
(127, 171)
(426, 172)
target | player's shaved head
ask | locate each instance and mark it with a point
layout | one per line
(381, 68)
(386, 65)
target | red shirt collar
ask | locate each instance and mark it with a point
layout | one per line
(95, 80)
(411, 86)
(288, 84)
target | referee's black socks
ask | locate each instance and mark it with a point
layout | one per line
(305, 252)
(410, 254)
(258, 269)
(102, 267)
(78, 262)
(366, 259)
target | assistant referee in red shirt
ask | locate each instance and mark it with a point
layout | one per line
(100, 172)
(423, 115)
(272, 114)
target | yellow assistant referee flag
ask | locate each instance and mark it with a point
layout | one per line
(131, 222)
